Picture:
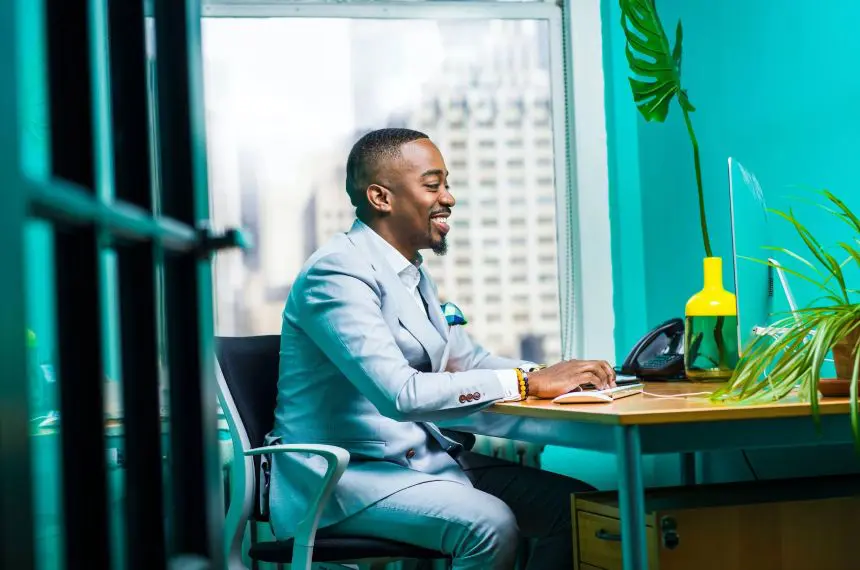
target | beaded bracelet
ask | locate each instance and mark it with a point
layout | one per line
(523, 382)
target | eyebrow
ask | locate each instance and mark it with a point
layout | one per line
(434, 172)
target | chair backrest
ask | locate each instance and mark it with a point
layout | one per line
(250, 368)
(249, 389)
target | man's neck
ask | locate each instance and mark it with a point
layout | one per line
(388, 235)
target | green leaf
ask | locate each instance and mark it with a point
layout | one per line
(855, 255)
(848, 214)
(794, 272)
(853, 406)
(792, 254)
(656, 71)
(676, 51)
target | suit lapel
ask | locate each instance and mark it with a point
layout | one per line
(433, 306)
(410, 315)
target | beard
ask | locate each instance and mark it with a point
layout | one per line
(438, 247)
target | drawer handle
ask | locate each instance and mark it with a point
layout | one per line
(603, 535)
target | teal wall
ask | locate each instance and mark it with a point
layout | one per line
(776, 85)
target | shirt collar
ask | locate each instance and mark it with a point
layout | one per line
(393, 257)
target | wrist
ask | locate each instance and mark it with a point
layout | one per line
(536, 383)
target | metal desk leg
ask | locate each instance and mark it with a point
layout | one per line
(631, 498)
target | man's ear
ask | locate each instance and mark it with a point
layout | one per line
(379, 198)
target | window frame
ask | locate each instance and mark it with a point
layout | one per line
(580, 168)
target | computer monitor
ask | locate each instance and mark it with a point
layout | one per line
(750, 231)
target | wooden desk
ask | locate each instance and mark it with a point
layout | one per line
(650, 424)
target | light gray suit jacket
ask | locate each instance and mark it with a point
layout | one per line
(353, 347)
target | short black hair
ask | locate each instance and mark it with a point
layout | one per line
(367, 153)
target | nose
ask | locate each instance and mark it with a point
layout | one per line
(447, 199)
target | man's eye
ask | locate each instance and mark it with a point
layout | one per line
(433, 186)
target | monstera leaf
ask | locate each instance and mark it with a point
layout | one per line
(656, 78)
(650, 58)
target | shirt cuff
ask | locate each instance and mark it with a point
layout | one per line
(510, 385)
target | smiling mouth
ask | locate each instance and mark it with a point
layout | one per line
(441, 224)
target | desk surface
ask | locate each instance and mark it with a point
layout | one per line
(643, 409)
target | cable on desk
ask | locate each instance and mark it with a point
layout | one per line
(677, 396)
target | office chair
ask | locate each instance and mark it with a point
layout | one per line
(247, 374)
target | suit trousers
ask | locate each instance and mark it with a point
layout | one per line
(480, 527)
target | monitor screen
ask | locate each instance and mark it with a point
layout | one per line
(751, 229)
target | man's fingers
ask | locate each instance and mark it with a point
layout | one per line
(597, 368)
(610, 373)
(587, 377)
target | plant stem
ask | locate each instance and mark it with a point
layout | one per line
(703, 220)
(721, 345)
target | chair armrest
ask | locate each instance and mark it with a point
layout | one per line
(336, 458)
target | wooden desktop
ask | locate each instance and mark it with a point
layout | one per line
(658, 421)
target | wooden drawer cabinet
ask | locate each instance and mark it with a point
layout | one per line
(600, 539)
(765, 525)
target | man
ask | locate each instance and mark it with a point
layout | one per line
(368, 363)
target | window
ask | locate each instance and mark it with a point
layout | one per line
(277, 153)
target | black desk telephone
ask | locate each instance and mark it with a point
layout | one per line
(659, 355)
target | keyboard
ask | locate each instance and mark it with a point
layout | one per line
(599, 396)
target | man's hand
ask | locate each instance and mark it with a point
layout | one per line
(565, 376)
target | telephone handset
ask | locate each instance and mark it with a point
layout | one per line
(659, 354)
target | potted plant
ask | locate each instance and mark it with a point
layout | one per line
(655, 80)
(792, 355)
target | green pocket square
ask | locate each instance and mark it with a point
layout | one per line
(453, 314)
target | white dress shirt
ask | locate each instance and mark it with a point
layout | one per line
(410, 276)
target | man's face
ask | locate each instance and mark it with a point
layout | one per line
(420, 201)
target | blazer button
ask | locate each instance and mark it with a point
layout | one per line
(462, 399)
(410, 454)
(477, 396)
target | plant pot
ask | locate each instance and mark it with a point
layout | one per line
(844, 354)
(711, 329)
